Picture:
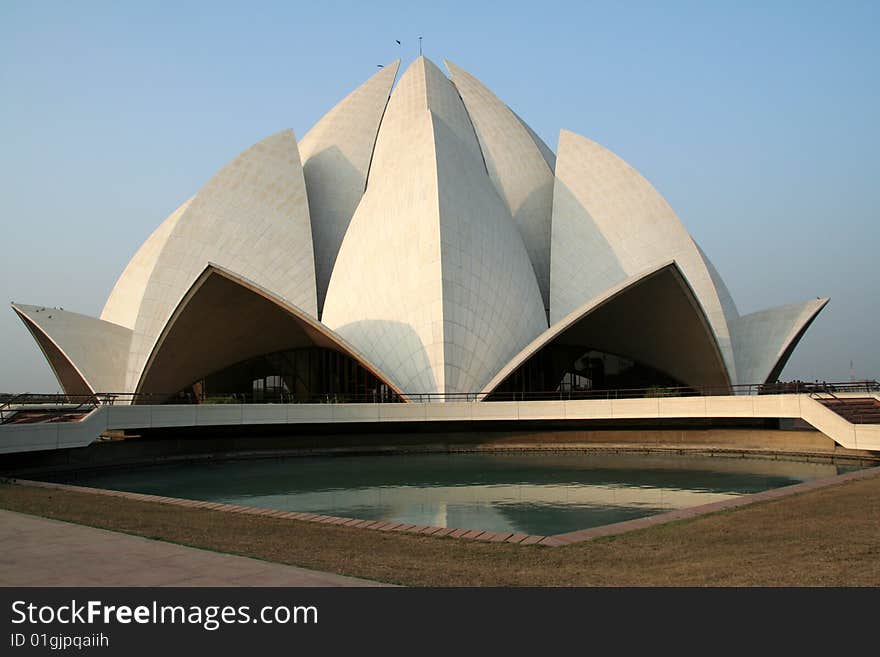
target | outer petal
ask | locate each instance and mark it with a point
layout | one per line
(610, 223)
(517, 167)
(88, 355)
(336, 156)
(125, 299)
(652, 317)
(246, 321)
(764, 340)
(252, 218)
(435, 319)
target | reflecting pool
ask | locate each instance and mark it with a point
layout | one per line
(528, 492)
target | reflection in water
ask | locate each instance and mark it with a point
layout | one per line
(533, 493)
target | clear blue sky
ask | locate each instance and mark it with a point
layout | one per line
(757, 121)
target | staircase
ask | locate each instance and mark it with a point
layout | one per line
(39, 409)
(36, 417)
(858, 410)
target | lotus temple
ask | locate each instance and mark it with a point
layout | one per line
(420, 275)
(419, 239)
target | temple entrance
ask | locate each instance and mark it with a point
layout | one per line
(305, 375)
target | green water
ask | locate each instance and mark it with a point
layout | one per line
(533, 493)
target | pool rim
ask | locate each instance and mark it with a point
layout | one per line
(554, 540)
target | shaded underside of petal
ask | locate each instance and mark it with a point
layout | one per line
(225, 319)
(652, 318)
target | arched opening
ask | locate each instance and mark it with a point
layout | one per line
(304, 375)
(648, 333)
(572, 370)
(227, 333)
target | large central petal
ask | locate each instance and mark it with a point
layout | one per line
(433, 283)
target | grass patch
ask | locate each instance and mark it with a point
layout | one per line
(828, 537)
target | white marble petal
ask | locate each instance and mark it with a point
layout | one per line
(336, 156)
(97, 350)
(433, 283)
(763, 341)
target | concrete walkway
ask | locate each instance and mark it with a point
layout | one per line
(42, 552)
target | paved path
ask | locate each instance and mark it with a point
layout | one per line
(42, 552)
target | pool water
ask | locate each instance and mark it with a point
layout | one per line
(533, 493)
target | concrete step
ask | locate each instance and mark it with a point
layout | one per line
(858, 410)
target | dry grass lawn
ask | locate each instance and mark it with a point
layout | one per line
(828, 537)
